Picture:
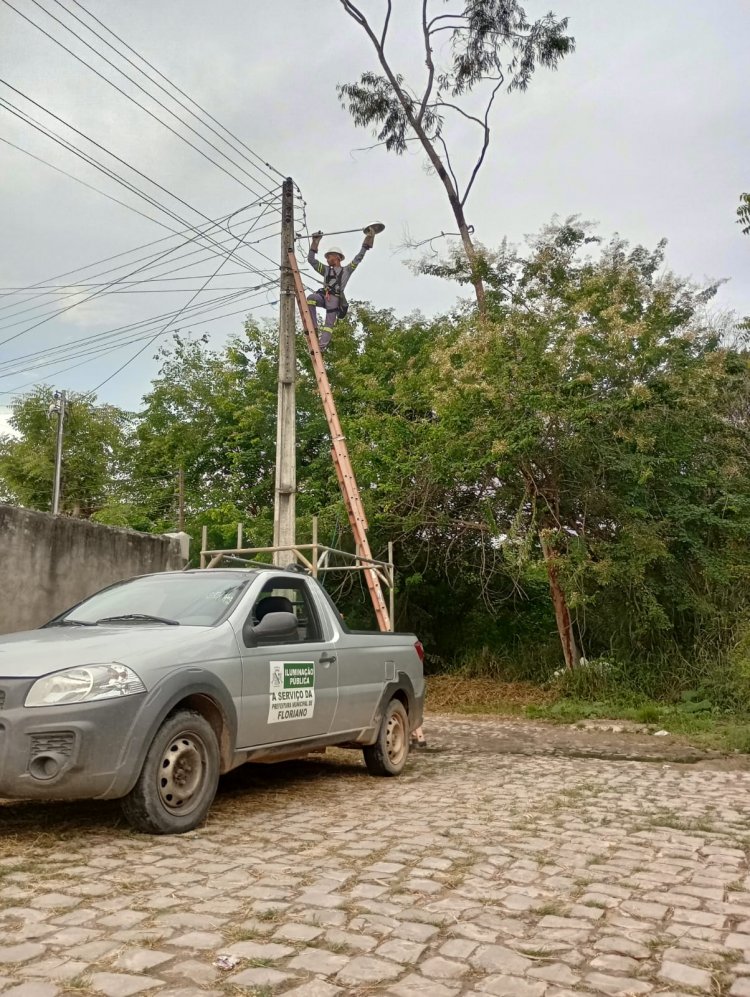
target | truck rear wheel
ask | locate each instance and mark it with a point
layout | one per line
(179, 777)
(389, 753)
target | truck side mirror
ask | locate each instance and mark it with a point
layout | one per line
(274, 628)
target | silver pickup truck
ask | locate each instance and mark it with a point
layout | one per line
(151, 689)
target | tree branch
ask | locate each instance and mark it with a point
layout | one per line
(386, 23)
(454, 107)
(356, 14)
(428, 61)
(448, 160)
(446, 17)
(450, 27)
(486, 142)
(376, 145)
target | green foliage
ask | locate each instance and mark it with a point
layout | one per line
(593, 419)
(743, 213)
(598, 411)
(489, 42)
(93, 454)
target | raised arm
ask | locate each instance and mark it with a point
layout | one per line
(356, 260)
(312, 259)
(315, 263)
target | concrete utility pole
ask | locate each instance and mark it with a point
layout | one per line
(284, 509)
(181, 499)
(58, 406)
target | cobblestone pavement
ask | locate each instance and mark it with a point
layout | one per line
(477, 872)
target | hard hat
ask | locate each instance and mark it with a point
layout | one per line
(336, 250)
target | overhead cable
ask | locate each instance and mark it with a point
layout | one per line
(69, 291)
(170, 322)
(19, 387)
(24, 116)
(218, 222)
(154, 82)
(90, 297)
(182, 92)
(124, 92)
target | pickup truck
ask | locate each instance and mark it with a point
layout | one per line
(152, 688)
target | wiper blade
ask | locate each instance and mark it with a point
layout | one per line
(138, 618)
(72, 623)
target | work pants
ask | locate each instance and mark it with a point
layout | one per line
(331, 305)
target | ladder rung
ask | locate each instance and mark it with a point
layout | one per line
(340, 452)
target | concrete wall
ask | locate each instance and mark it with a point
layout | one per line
(49, 563)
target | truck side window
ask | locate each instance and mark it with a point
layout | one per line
(289, 595)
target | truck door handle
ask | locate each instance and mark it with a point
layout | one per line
(327, 659)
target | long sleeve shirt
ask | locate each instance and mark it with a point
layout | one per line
(336, 278)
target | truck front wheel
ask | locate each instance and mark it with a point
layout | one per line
(389, 753)
(179, 777)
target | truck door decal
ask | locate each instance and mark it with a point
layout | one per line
(292, 691)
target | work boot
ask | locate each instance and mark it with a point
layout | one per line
(324, 339)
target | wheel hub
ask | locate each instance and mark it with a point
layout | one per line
(395, 739)
(182, 770)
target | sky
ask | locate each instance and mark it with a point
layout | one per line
(644, 130)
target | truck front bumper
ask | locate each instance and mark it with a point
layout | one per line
(65, 752)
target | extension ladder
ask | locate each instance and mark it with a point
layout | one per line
(340, 453)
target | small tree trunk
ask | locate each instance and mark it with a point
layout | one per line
(562, 613)
(469, 249)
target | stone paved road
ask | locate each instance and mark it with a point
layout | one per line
(480, 871)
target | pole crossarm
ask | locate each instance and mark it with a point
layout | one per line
(340, 451)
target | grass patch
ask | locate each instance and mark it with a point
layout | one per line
(692, 717)
(721, 731)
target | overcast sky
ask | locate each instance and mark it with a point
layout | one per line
(645, 130)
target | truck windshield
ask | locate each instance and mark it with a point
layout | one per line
(197, 600)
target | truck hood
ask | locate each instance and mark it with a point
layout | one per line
(33, 653)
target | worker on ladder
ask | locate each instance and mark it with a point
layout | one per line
(335, 276)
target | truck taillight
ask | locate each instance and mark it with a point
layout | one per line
(419, 649)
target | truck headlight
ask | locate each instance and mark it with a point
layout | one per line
(84, 685)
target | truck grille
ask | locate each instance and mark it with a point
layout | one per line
(2, 698)
(59, 741)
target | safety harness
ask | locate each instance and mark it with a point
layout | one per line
(332, 286)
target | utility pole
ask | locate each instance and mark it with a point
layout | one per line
(181, 499)
(58, 406)
(284, 510)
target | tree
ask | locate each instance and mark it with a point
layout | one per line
(593, 423)
(93, 453)
(492, 45)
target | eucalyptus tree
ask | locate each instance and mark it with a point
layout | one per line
(471, 51)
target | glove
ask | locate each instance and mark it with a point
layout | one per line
(315, 244)
(369, 240)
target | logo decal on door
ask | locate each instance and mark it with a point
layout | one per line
(292, 691)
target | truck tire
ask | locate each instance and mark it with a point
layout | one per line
(179, 777)
(389, 753)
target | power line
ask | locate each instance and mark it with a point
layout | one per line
(140, 351)
(83, 182)
(43, 289)
(128, 252)
(95, 294)
(124, 92)
(180, 103)
(78, 290)
(121, 335)
(12, 363)
(24, 116)
(182, 92)
(113, 349)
